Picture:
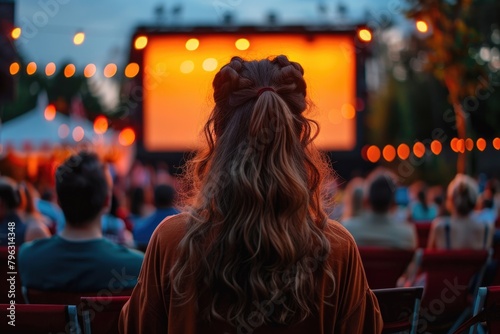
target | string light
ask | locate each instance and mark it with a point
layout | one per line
(79, 38)
(422, 26)
(365, 35)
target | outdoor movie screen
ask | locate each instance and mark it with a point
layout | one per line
(178, 70)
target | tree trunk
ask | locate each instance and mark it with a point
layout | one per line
(460, 122)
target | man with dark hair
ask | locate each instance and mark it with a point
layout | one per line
(79, 259)
(164, 196)
(11, 227)
(378, 227)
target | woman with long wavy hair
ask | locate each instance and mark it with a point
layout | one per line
(255, 251)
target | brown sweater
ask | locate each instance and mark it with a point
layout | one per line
(351, 309)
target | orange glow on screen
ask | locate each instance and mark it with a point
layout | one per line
(178, 84)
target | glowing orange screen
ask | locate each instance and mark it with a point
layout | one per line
(178, 92)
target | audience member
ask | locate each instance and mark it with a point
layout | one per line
(353, 199)
(48, 208)
(37, 224)
(164, 196)
(79, 258)
(460, 230)
(113, 227)
(419, 209)
(378, 227)
(257, 236)
(12, 228)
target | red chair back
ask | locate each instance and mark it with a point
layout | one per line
(451, 278)
(100, 314)
(399, 308)
(384, 266)
(38, 319)
(423, 230)
(7, 273)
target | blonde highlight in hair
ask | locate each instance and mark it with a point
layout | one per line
(257, 212)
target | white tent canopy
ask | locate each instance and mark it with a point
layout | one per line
(34, 131)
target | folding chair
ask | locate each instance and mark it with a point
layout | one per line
(100, 314)
(40, 319)
(486, 309)
(384, 266)
(34, 296)
(400, 308)
(450, 279)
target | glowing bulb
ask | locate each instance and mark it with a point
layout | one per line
(31, 68)
(403, 151)
(126, 137)
(100, 125)
(365, 35)
(79, 38)
(16, 33)
(131, 70)
(89, 70)
(69, 70)
(422, 26)
(50, 69)
(140, 42)
(209, 64)
(50, 112)
(14, 68)
(373, 153)
(242, 44)
(192, 44)
(110, 70)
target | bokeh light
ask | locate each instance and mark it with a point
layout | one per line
(461, 145)
(242, 44)
(373, 153)
(389, 153)
(50, 69)
(131, 70)
(422, 26)
(79, 38)
(110, 70)
(126, 137)
(100, 125)
(31, 68)
(418, 149)
(403, 151)
(187, 66)
(436, 147)
(365, 35)
(469, 144)
(348, 111)
(496, 143)
(15, 33)
(140, 42)
(63, 131)
(69, 70)
(192, 44)
(78, 133)
(453, 144)
(89, 70)
(481, 144)
(50, 112)
(209, 64)
(14, 68)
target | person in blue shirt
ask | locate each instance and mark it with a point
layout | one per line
(164, 197)
(79, 258)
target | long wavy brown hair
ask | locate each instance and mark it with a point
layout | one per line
(256, 235)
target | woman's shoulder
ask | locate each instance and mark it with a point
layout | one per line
(338, 235)
(172, 229)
